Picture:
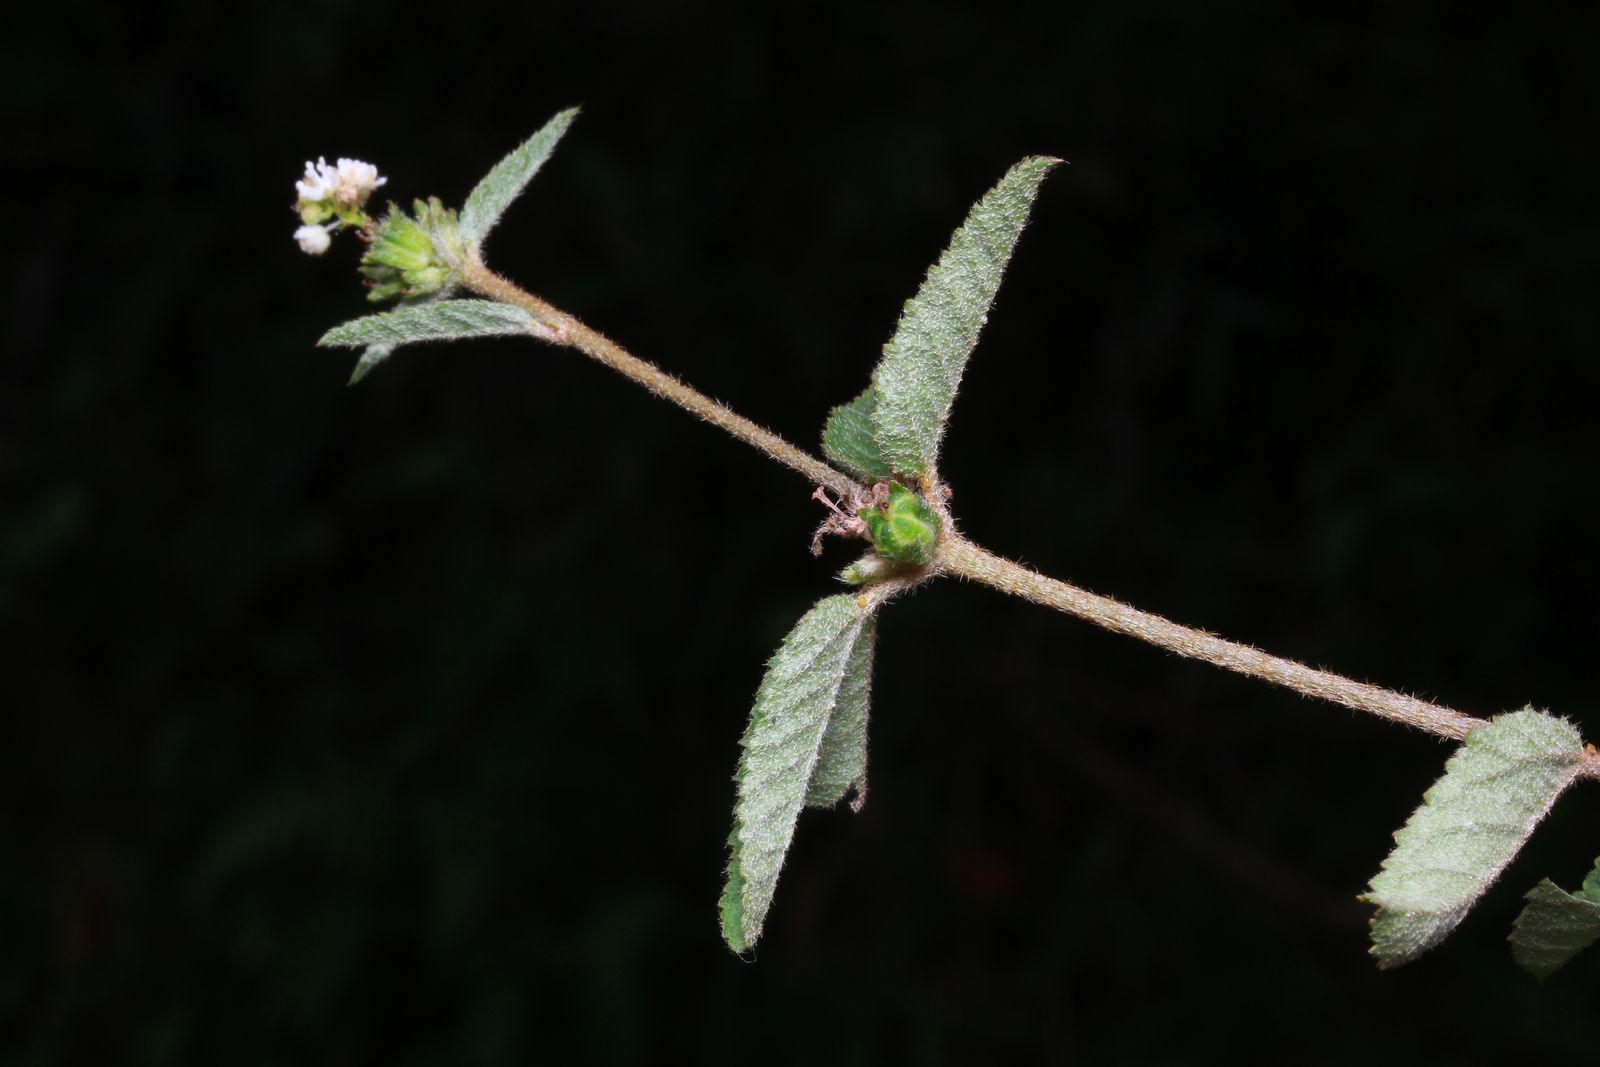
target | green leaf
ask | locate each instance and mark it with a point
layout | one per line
(921, 367)
(374, 355)
(848, 438)
(1495, 789)
(1556, 925)
(806, 744)
(439, 321)
(842, 757)
(1591, 885)
(489, 200)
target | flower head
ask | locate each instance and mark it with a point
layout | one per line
(313, 240)
(357, 180)
(320, 183)
(331, 198)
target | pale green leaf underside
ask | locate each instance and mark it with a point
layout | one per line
(806, 743)
(922, 363)
(842, 757)
(1495, 789)
(848, 438)
(442, 320)
(489, 200)
(374, 355)
(1556, 925)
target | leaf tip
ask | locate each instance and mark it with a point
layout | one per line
(1041, 165)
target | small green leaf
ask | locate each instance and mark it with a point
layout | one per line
(921, 367)
(806, 743)
(489, 200)
(1556, 925)
(1591, 885)
(1495, 789)
(868, 569)
(374, 355)
(438, 321)
(848, 438)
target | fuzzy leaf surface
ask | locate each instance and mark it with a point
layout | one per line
(489, 200)
(848, 438)
(921, 368)
(374, 355)
(842, 757)
(813, 699)
(1495, 789)
(1556, 925)
(438, 321)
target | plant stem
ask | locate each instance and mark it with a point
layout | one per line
(960, 557)
(963, 558)
(560, 328)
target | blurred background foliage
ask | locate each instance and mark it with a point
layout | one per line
(397, 724)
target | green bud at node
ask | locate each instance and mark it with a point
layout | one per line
(413, 257)
(904, 528)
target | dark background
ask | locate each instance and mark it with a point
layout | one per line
(396, 724)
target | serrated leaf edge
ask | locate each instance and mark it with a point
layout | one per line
(1532, 952)
(741, 923)
(1392, 907)
(484, 206)
(441, 320)
(908, 431)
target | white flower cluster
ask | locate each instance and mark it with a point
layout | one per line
(350, 182)
(347, 184)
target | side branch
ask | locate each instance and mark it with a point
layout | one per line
(561, 328)
(963, 558)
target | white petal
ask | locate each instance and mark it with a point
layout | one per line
(357, 180)
(320, 183)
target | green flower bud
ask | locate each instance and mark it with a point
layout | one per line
(903, 529)
(413, 257)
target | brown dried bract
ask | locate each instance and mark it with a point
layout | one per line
(844, 521)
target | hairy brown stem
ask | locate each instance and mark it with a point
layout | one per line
(561, 328)
(960, 557)
(967, 560)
